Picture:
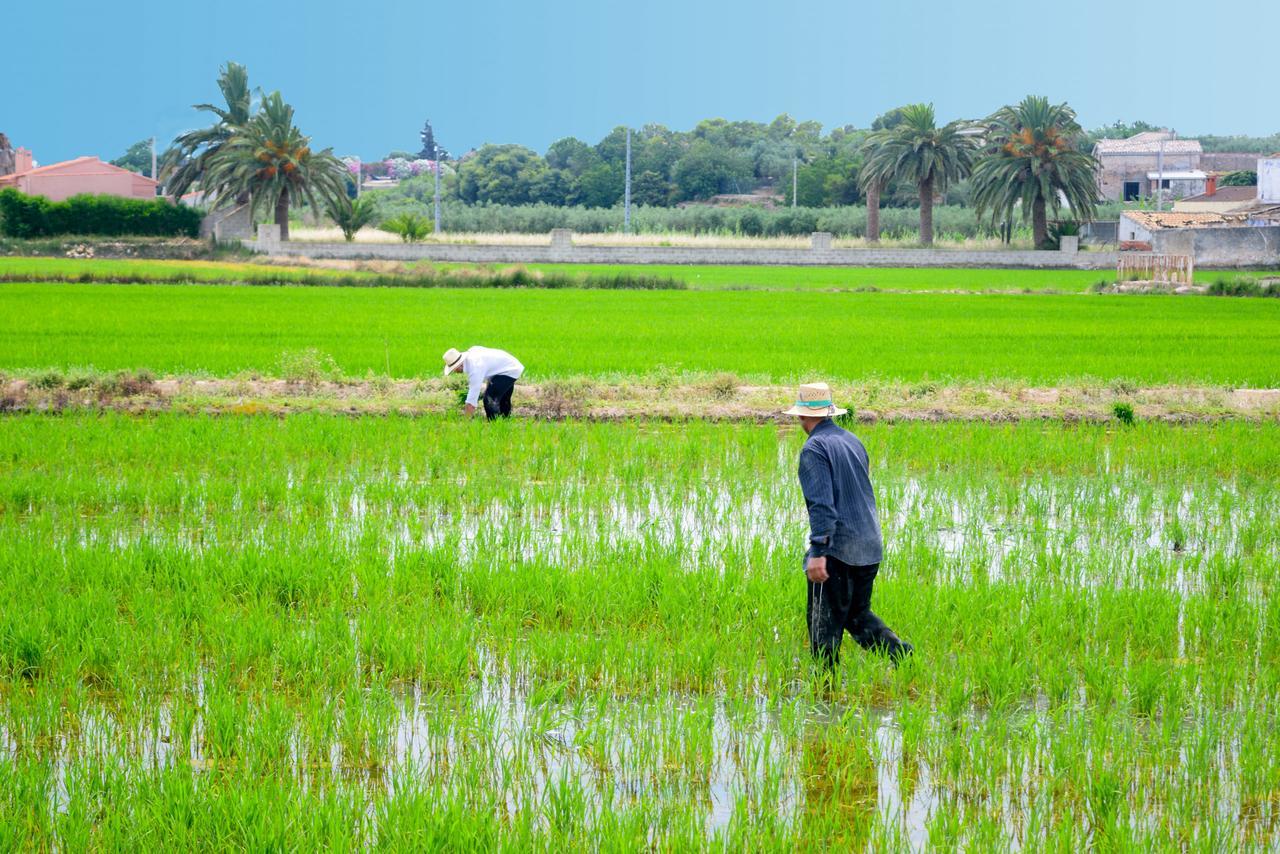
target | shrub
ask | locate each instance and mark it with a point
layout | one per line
(1242, 287)
(47, 380)
(1123, 413)
(410, 227)
(26, 216)
(307, 367)
(126, 384)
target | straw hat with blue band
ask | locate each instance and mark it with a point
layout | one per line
(815, 401)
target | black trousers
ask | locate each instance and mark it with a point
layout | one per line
(497, 397)
(843, 604)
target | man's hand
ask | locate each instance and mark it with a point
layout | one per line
(470, 409)
(816, 569)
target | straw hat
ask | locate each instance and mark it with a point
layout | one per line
(814, 401)
(452, 358)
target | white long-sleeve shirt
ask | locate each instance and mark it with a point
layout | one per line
(480, 363)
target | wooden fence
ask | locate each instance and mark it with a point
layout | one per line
(1163, 269)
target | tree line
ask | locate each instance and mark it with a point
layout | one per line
(1024, 160)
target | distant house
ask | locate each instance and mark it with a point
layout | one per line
(1269, 180)
(59, 181)
(1217, 199)
(1137, 167)
(1136, 227)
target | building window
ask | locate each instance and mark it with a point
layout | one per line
(1132, 191)
(1164, 185)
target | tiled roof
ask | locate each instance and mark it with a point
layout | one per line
(1227, 194)
(1148, 143)
(1180, 219)
(62, 166)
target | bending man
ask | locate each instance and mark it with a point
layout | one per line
(845, 547)
(496, 371)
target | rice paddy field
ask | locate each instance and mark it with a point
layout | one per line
(417, 633)
(223, 330)
(243, 631)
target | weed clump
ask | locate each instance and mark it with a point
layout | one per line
(126, 384)
(1242, 287)
(564, 398)
(1123, 413)
(308, 367)
(724, 386)
(48, 380)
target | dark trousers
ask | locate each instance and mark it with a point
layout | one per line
(497, 397)
(843, 604)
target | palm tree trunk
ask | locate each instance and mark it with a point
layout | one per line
(1039, 224)
(873, 212)
(282, 214)
(926, 212)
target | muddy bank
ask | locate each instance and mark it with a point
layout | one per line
(720, 398)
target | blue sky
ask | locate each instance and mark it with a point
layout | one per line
(364, 76)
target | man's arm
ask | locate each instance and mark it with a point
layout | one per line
(815, 482)
(475, 383)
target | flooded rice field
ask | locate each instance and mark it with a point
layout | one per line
(412, 633)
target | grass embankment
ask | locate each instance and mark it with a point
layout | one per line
(703, 277)
(315, 632)
(1048, 340)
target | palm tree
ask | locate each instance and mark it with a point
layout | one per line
(1033, 161)
(917, 150)
(184, 163)
(873, 184)
(272, 161)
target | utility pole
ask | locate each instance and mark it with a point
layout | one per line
(626, 191)
(1160, 177)
(795, 173)
(153, 158)
(436, 159)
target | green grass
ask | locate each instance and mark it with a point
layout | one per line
(319, 632)
(224, 330)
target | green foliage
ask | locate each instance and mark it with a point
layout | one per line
(1123, 413)
(707, 170)
(272, 161)
(504, 175)
(1032, 160)
(351, 215)
(916, 150)
(1240, 178)
(24, 216)
(137, 158)
(183, 166)
(1243, 287)
(410, 227)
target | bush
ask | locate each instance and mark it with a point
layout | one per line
(410, 227)
(26, 216)
(1242, 287)
(1123, 413)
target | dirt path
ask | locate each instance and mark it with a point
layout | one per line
(718, 399)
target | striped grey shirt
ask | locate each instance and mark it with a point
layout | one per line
(836, 480)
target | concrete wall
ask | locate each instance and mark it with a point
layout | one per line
(1269, 180)
(565, 252)
(1228, 161)
(1250, 246)
(229, 223)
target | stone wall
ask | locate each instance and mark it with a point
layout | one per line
(226, 224)
(1228, 161)
(1222, 247)
(1119, 168)
(564, 251)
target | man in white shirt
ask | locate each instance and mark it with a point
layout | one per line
(494, 370)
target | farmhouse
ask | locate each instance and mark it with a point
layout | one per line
(1137, 227)
(59, 181)
(1137, 167)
